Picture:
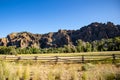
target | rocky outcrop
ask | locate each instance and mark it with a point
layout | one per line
(3, 41)
(97, 31)
(94, 31)
(23, 40)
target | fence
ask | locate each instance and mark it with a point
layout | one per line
(65, 59)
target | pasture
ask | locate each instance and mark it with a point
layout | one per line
(60, 71)
(30, 67)
(73, 54)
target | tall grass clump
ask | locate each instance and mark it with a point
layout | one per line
(26, 73)
(51, 76)
(19, 71)
(4, 71)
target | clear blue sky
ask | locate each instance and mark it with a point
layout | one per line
(43, 16)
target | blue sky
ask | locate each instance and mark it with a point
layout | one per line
(43, 16)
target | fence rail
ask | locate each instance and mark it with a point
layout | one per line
(78, 59)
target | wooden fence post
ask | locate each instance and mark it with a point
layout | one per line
(82, 58)
(56, 59)
(36, 57)
(19, 58)
(5, 57)
(113, 60)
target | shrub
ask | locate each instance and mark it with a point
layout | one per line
(109, 76)
(117, 75)
(84, 76)
(87, 66)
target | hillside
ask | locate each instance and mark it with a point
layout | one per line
(91, 32)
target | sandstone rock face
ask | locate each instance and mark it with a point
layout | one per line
(23, 40)
(3, 42)
(94, 31)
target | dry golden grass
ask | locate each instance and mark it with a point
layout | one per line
(60, 71)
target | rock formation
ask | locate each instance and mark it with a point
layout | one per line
(94, 31)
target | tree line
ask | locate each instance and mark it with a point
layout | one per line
(112, 44)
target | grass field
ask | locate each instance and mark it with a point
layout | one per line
(69, 54)
(37, 71)
(73, 54)
(26, 70)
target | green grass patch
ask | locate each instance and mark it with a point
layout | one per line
(73, 54)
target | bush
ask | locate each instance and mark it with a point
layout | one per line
(87, 66)
(84, 76)
(117, 76)
(8, 50)
(109, 76)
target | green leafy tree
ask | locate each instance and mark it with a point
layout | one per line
(67, 48)
(88, 47)
(80, 46)
(94, 46)
(34, 50)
